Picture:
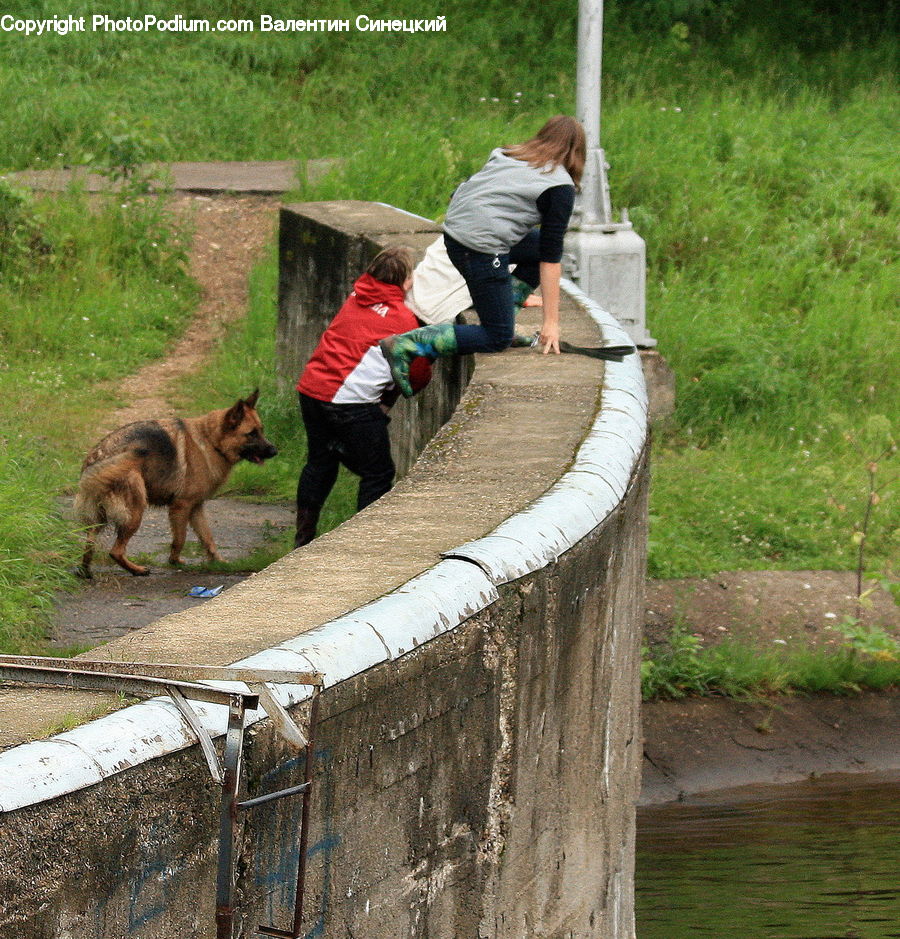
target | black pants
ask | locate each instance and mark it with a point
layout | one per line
(353, 434)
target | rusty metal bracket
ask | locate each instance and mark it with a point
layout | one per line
(203, 737)
(114, 676)
(182, 683)
(279, 715)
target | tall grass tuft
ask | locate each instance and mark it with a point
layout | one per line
(682, 667)
(34, 549)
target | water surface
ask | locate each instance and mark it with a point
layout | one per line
(818, 860)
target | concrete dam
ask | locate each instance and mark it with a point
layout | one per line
(478, 744)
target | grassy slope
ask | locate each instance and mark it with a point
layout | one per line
(103, 293)
(760, 176)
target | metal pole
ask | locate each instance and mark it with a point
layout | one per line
(595, 204)
(234, 744)
(304, 817)
(606, 259)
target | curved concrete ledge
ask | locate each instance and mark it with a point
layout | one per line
(571, 491)
(382, 631)
(429, 604)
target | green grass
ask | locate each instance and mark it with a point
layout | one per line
(89, 291)
(33, 548)
(752, 150)
(102, 292)
(772, 289)
(760, 499)
(681, 668)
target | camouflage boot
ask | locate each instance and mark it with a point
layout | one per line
(520, 291)
(524, 342)
(429, 341)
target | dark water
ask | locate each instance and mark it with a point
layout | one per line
(812, 861)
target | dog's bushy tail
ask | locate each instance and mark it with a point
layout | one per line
(98, 503)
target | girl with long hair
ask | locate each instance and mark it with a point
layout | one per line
(490, 224)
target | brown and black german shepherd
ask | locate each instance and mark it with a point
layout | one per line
(178, 463)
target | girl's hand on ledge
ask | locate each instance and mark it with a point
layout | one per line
(549, 338)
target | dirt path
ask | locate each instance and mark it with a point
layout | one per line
(765, 608)
(115, 603)
(229, 235)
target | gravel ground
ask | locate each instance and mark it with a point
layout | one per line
(115, 603)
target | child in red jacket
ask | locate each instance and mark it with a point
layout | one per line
(346, 390)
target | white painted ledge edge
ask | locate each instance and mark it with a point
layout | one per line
(459, 586)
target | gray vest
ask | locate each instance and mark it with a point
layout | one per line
(494, 209)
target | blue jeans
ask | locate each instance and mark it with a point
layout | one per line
(488, 279)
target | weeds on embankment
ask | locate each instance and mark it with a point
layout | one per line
(868, 659)
(753, 154)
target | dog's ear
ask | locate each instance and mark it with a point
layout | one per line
(234, 415)
(252, 399)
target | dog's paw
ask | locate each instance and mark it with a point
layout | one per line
(85, 573)
(140, 571)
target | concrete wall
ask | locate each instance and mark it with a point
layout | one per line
(479, 752)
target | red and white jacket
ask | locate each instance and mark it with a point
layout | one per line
(347, 366)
